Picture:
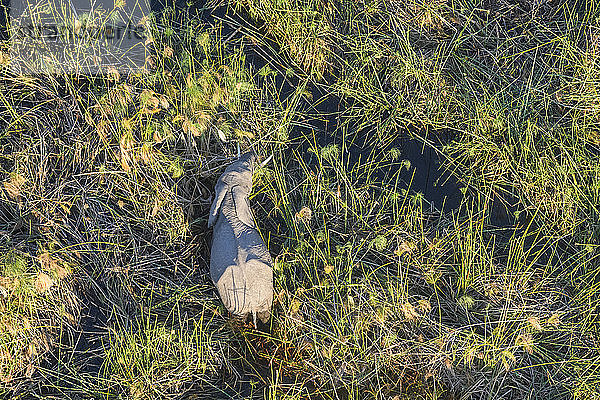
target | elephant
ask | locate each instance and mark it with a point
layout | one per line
(240, 264)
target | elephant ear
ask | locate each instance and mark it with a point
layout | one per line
(242, 207)
(215, 208)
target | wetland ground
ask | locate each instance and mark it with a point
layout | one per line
(432, 206)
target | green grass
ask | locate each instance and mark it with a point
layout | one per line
(107, 185)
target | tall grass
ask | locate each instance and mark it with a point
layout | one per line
(380, 293)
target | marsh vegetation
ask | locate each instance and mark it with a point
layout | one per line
(432, 206)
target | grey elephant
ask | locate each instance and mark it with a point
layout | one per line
(240, 264)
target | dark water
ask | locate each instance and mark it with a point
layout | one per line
(93, 331)
(426, 174)
(4, 4)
